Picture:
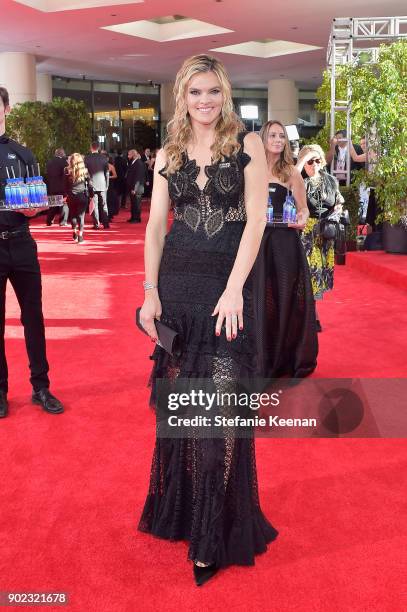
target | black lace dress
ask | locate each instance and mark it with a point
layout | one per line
(287, 342)
(205, 490)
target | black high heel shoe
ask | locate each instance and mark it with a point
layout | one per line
(203, 574)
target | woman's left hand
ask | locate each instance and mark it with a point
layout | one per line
(302, 219)
(229, 309)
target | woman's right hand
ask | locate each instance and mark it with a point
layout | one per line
(150, 310)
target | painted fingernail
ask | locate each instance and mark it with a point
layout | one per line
(241, 328)
(218, 333)
(234, 336)
(229, 338)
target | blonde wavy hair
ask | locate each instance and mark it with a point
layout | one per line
(313, 148)
(283, 167)
(179, 128)
(76, 168)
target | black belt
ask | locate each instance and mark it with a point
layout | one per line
(6, 235)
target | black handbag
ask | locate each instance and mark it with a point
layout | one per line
(326, 228)
(168, 339)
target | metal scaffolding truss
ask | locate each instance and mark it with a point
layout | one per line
(351, 39)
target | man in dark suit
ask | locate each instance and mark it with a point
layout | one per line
(98, 169)
(120, 164)
(135, 179)
(56, 184)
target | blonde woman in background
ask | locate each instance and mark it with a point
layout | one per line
(323, 199)
(204, 490)
(78, 189)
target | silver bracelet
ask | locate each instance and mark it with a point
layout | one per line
(147, 285)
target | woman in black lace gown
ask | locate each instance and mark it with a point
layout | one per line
(197, 281)
(285, 316)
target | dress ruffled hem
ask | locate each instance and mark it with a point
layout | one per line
(245, 539)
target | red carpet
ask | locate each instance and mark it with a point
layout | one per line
(385, 267)
(72, 486)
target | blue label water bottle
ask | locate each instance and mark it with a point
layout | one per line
(31, 191)
(19, 193)
(286, 211)
(7, 194)
(24, 193)
(44, 194)
(38, 190)
(13, 190)
(293, 214)
(270, 209)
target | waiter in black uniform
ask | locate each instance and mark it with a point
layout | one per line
(19, 263)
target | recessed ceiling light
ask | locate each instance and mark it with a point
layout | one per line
(113, 15)
(294, 28)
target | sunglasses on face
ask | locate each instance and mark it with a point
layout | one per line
(311, 162)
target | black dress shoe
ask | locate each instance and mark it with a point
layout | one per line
(49, 402)
(203, 574)
(96, 227)
(3, 404)
(319, 327)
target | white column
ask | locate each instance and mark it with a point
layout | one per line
(283, 101)
(18, 76)
(167, 105)
(44, 87)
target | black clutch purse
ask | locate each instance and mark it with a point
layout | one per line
(168, 339)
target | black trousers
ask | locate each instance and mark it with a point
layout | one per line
(77, 209)
(100, 213)
(19, 264)
(135, 206)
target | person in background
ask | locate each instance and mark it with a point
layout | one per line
(79, 190)
(370, 210)
(285, 314)
(55, 186)
(295, 149)
(323, 199)
(112, 195)
(338, 152)
(135, 180)
(19, 264)
(120, 164)
(98, 169)
(150, 172)
(146, 158)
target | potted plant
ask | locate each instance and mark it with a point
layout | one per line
(379, 110)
